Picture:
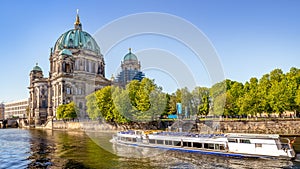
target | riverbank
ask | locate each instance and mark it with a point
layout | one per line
(277, 126)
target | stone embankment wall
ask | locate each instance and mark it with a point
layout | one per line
(275, 126)
(95, 125)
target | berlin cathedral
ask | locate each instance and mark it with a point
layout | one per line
(77, 69)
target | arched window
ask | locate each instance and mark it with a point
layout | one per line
(43, 91)
(68, 68)
(93, 67)
(64, 67)
(44, 103)
(87, 66)
(79, 91)
(59, 90)
(68, 90)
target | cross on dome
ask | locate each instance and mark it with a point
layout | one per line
(77, 23)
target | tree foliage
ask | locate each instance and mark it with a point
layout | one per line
(275, 92)
(139, 101)
(67, 111)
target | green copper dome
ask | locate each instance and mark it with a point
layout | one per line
(77, 39)
(65, 52)
(36, 68)
(130, 56)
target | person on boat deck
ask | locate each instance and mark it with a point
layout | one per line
(292, 142)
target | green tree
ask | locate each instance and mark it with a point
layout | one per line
(158, 101)
(277, 95)
(105, 103)
(203, 108)
(147, 100)
(133, 87)
(249, 103)
(124, 110)
(67, 111)
(263, 94)
(200, 100)
(297, 99)
(60, 111)
(167, 106)
(293, 82)
(218, 98)
(186, 100)
(172, 104)
(142, 98)
(92, 109)
(71, 111)
(233, 95)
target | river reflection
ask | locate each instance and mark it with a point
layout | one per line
(61, 149)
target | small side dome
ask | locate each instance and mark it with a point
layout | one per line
(36, 68)
(130, 56)
(65, 52)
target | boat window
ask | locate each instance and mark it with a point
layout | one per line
(160, 141)
(258, 145)
(152, 141)
(197, 145)
(123, 138)
(232, 140)
(205, 145)
(128, 139)
(222, 147)
(187, 144)
(217, 146)
(168, 142)
(134, 139)
(177, 143)
(244, 141)
(211, 146)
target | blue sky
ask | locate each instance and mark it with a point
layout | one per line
(251, 37)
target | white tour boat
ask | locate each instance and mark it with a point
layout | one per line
(230, 144)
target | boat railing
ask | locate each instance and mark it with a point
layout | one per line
(168, 133)
(187, 134)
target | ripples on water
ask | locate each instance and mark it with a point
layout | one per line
(58, 149)
(14, 148)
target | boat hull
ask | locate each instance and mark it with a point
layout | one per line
(200, 151)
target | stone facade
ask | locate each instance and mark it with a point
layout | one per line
(1, 111)
(77, 69)
(16, 109)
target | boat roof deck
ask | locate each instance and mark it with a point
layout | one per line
(190, 134)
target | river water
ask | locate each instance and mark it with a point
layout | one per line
(21, 148)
